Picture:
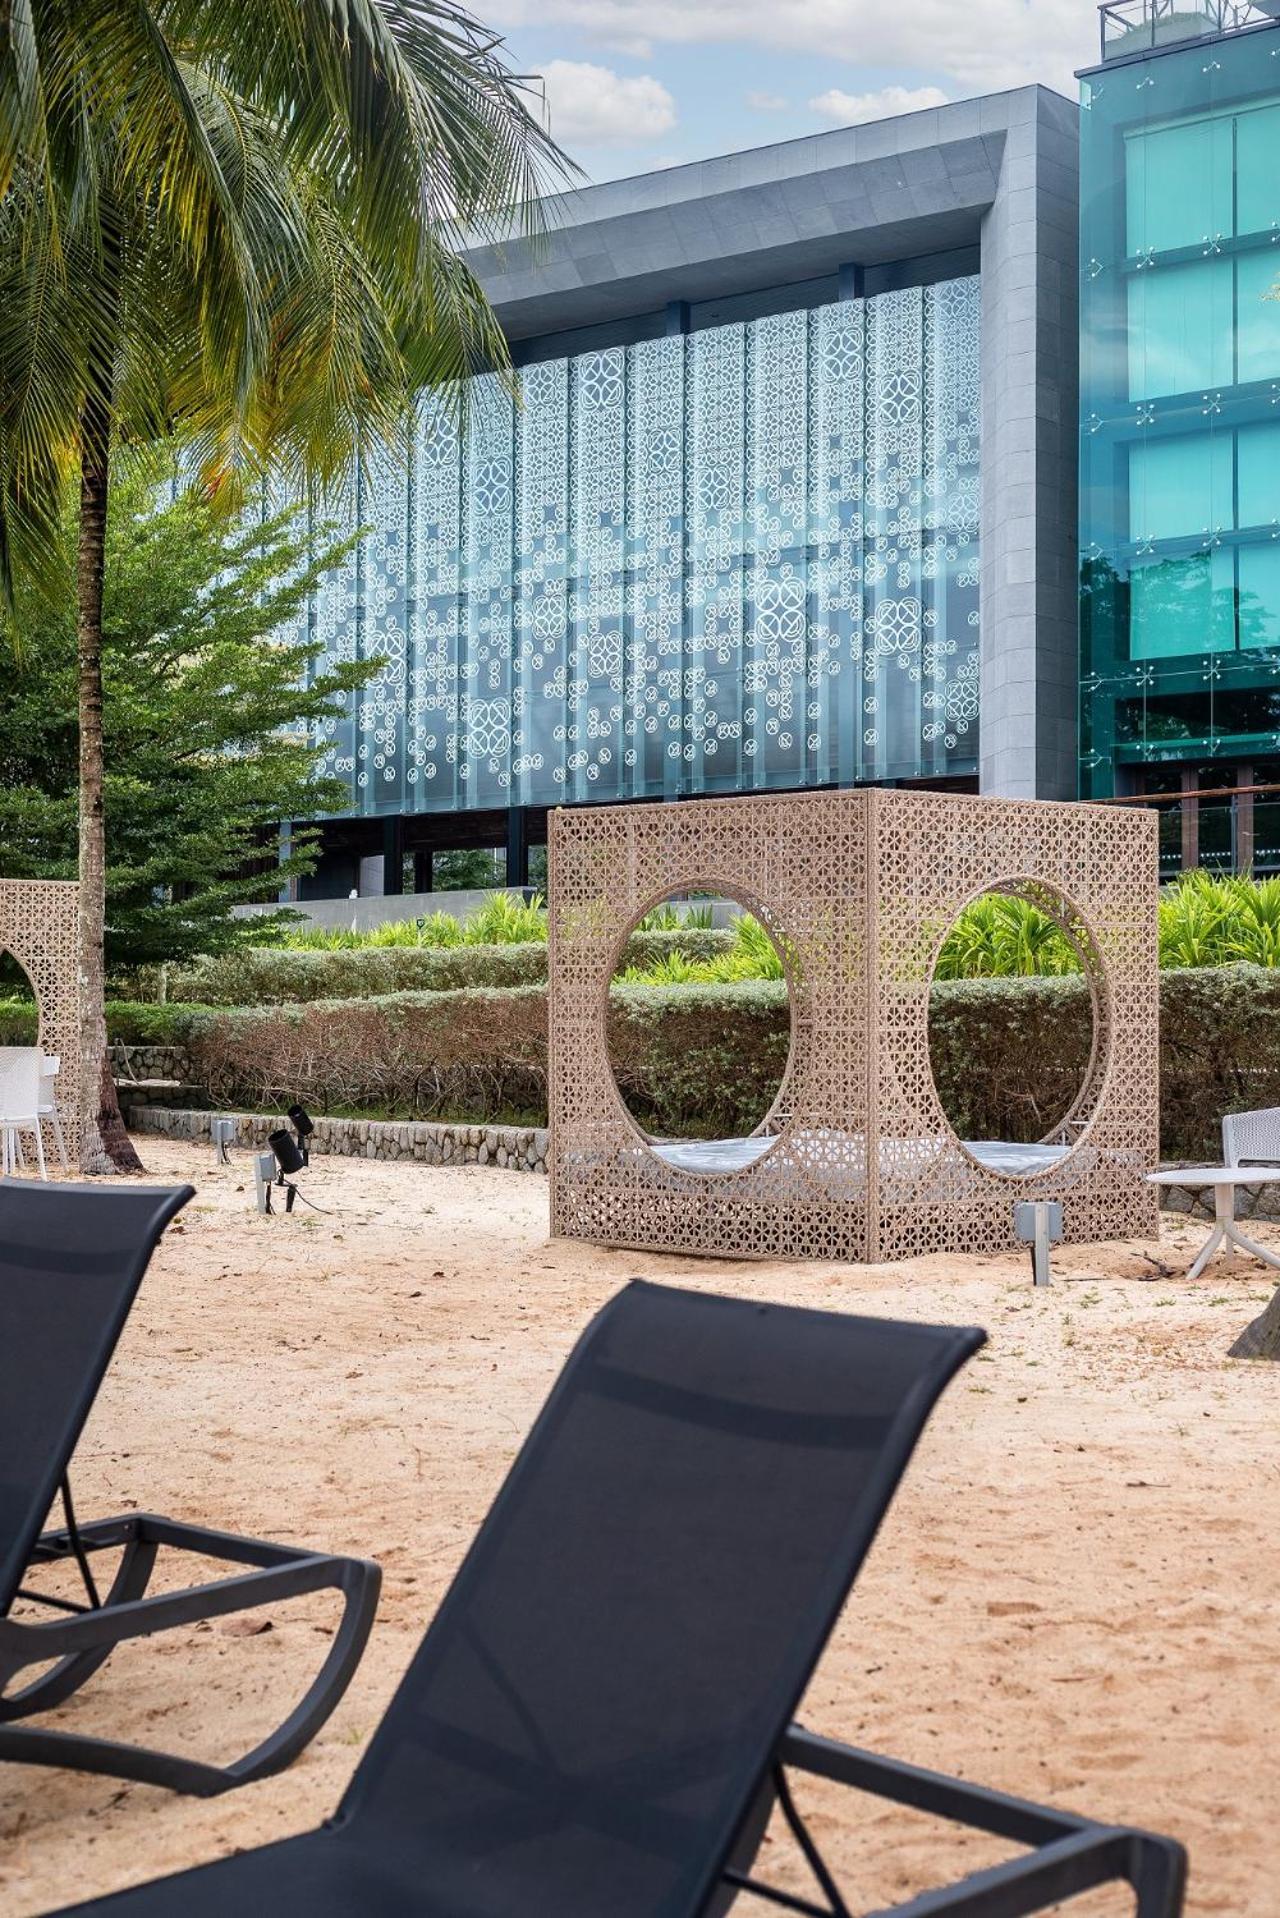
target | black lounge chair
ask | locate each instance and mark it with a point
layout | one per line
(599, 1718)
(71, 1259)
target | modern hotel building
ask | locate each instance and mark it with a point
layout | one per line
(786, 495)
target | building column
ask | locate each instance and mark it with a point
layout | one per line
(1029, 387)
(517, 847)
(392, 856)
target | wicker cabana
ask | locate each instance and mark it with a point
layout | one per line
(856, 1159)
(38, 927)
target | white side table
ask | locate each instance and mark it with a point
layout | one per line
(1224, 1179)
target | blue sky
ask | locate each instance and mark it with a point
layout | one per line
(635, 84)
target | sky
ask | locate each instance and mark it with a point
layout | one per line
(635, 84)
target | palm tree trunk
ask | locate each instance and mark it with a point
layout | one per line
(105, 1145)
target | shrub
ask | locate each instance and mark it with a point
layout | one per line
(263, 975)
(699, 1061)
(128, 1023)
(418, 1054)
(706, 1059)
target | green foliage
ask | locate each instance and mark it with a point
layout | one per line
(705, 1060)
(1002, 936)
(503, 920)
(699, 1061)
(1205, 919)
(1209, 919)
(128, 1023)
(235, 221)
(749, 954)
(473, 869)
(672, 918)
(206, 722)
(258, 975)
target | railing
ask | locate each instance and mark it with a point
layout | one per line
(1224, 828)
(1135, 26)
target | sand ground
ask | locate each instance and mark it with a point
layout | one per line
(1075, 1595)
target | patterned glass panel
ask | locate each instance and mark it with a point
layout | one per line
(742, 559)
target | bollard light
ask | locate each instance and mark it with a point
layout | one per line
(223, 1134)
(1038, 1223)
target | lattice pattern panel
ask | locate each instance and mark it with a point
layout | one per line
(858, 890)
(38, 927)
(1092, 867)
(800, 863)
(739, 560)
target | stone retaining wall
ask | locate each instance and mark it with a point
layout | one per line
(524, 1149)
(521, 1148)
(1256, 1202)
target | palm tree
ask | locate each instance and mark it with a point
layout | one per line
(228, 222)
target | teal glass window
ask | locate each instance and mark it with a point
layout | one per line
(1260, 595)
(1179, 606)
(1258, 170)
(1258, 475)
(1258, 316)
(1178, 188)
(1180, 329)
(1180, 486)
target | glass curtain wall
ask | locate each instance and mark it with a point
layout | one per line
(739, 559)
(1180, 409)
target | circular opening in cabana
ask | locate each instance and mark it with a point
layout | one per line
(699, 1030)
(1018, 1027)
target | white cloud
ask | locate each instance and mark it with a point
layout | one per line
(767, 102)
(849, 109)
(979, 47)
(591, 106)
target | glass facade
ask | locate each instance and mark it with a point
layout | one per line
(736, 559)
(1180, 410)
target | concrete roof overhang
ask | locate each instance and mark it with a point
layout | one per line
(890, 190)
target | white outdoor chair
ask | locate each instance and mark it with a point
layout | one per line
(21, 1082)
(1252, 1138)
(50, 1067)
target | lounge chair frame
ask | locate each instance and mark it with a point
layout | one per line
(637, 1389)
(1068, 1854)
(77, 1642)
(82, 1642)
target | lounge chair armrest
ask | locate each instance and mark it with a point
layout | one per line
(280, 1572)
(1068, 1854)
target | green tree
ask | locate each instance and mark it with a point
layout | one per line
(208, 722)
(227, 222)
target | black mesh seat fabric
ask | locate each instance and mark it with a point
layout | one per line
(71, 1261)
(595, 1709)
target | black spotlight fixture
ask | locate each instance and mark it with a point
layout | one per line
(288, 1159)
(303, 1124)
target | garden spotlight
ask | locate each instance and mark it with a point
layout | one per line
(289, 1159)
(303, 1124)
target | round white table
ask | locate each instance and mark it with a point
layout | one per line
(1224, 1179)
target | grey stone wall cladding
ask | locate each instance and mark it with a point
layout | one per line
(1252, 1202)
(1029, 683)
(515, 1148)
(1002, 171)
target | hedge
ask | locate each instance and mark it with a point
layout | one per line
(1007, 1052)
(269, 976)
(128, 1022)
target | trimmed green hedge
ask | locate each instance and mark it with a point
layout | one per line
(128, 1023)
(1007, 1053)
(267, 976)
